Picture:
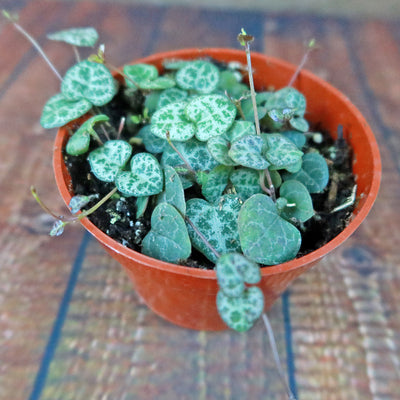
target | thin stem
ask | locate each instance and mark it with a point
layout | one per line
(76, 52)
(121, 126)
(270, 190)
(252, 90)
(275, 354)
(97, 205)
(310, 47)
(38, 48)
(44, 207)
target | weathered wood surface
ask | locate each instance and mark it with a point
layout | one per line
(71, 327)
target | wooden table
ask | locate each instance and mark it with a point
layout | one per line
(71, 327)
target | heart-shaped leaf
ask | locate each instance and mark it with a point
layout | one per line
(168, 239)
(144, 179)
(233, 271)
(173, 193)
(314, 173)
(193, 151)
(246, 182)
(240, 313)
(79, 142)
(299, 203)
(213, 115)
(171, 95)
(300, 124)
(217, 223)
(139, 73)
(199, 75)
(83, 37)
(106, 161)
(265, 237)
(247, 151)
(287, 97)
(282, 153)
(172, 119)
(152, 143)
(90, 81)
(298, 138)
(58, 111)
(216, 182)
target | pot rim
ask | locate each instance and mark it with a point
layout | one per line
(265, 271)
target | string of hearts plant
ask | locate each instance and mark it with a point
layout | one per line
(217, 166)
(201, 130)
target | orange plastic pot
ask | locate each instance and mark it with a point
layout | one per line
(186, 296)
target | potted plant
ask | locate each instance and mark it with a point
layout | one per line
(198, 170)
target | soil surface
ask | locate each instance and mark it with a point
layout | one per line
(117, 218)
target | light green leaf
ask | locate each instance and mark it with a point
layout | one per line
(217, 223)
(83, 37)
(168, 239)
(213, 115)
(79, 142)
(172, 119)
(199, 75)
(163, 82)
(139, 73)
(265, 237)
(219, 147)
(246, 182)
(240, 313)
(233, 271)
(282, 153)
(247, 151)
(90, 81)
(299, 203)
(171, 95)
(58, 111)
(144, 179)
(106, 161)
(300, 124)
(193, 151)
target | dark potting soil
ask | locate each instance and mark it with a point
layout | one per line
(117, 218)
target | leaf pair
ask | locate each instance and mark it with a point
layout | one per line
(84, 85)
(238, 305)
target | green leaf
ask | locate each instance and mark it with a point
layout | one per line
(172, 119)
(314, 173)
(79, 142)
(246, 182)
(247, 151)
(219, 147)
(106, 161)
(265, 237)
(58, 111)
(240, 129)
(299, 203)
(161, 83)
(139, 73)
(175, 64)
(201, 76)
(144, 179)
(217, 223)
(217, 180)
(193, 151)
(168, 239)
(141, 205)
(152, 143)
(282, 153)
(300, 124)
(287, 97)
(213, 115)
(173, 193)
(83, 37)
(233, 271)
(171, 95)
(240, 313)
(79, 201)
(90, 81)
(299, 139)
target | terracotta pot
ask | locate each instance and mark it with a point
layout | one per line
(186, 296)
